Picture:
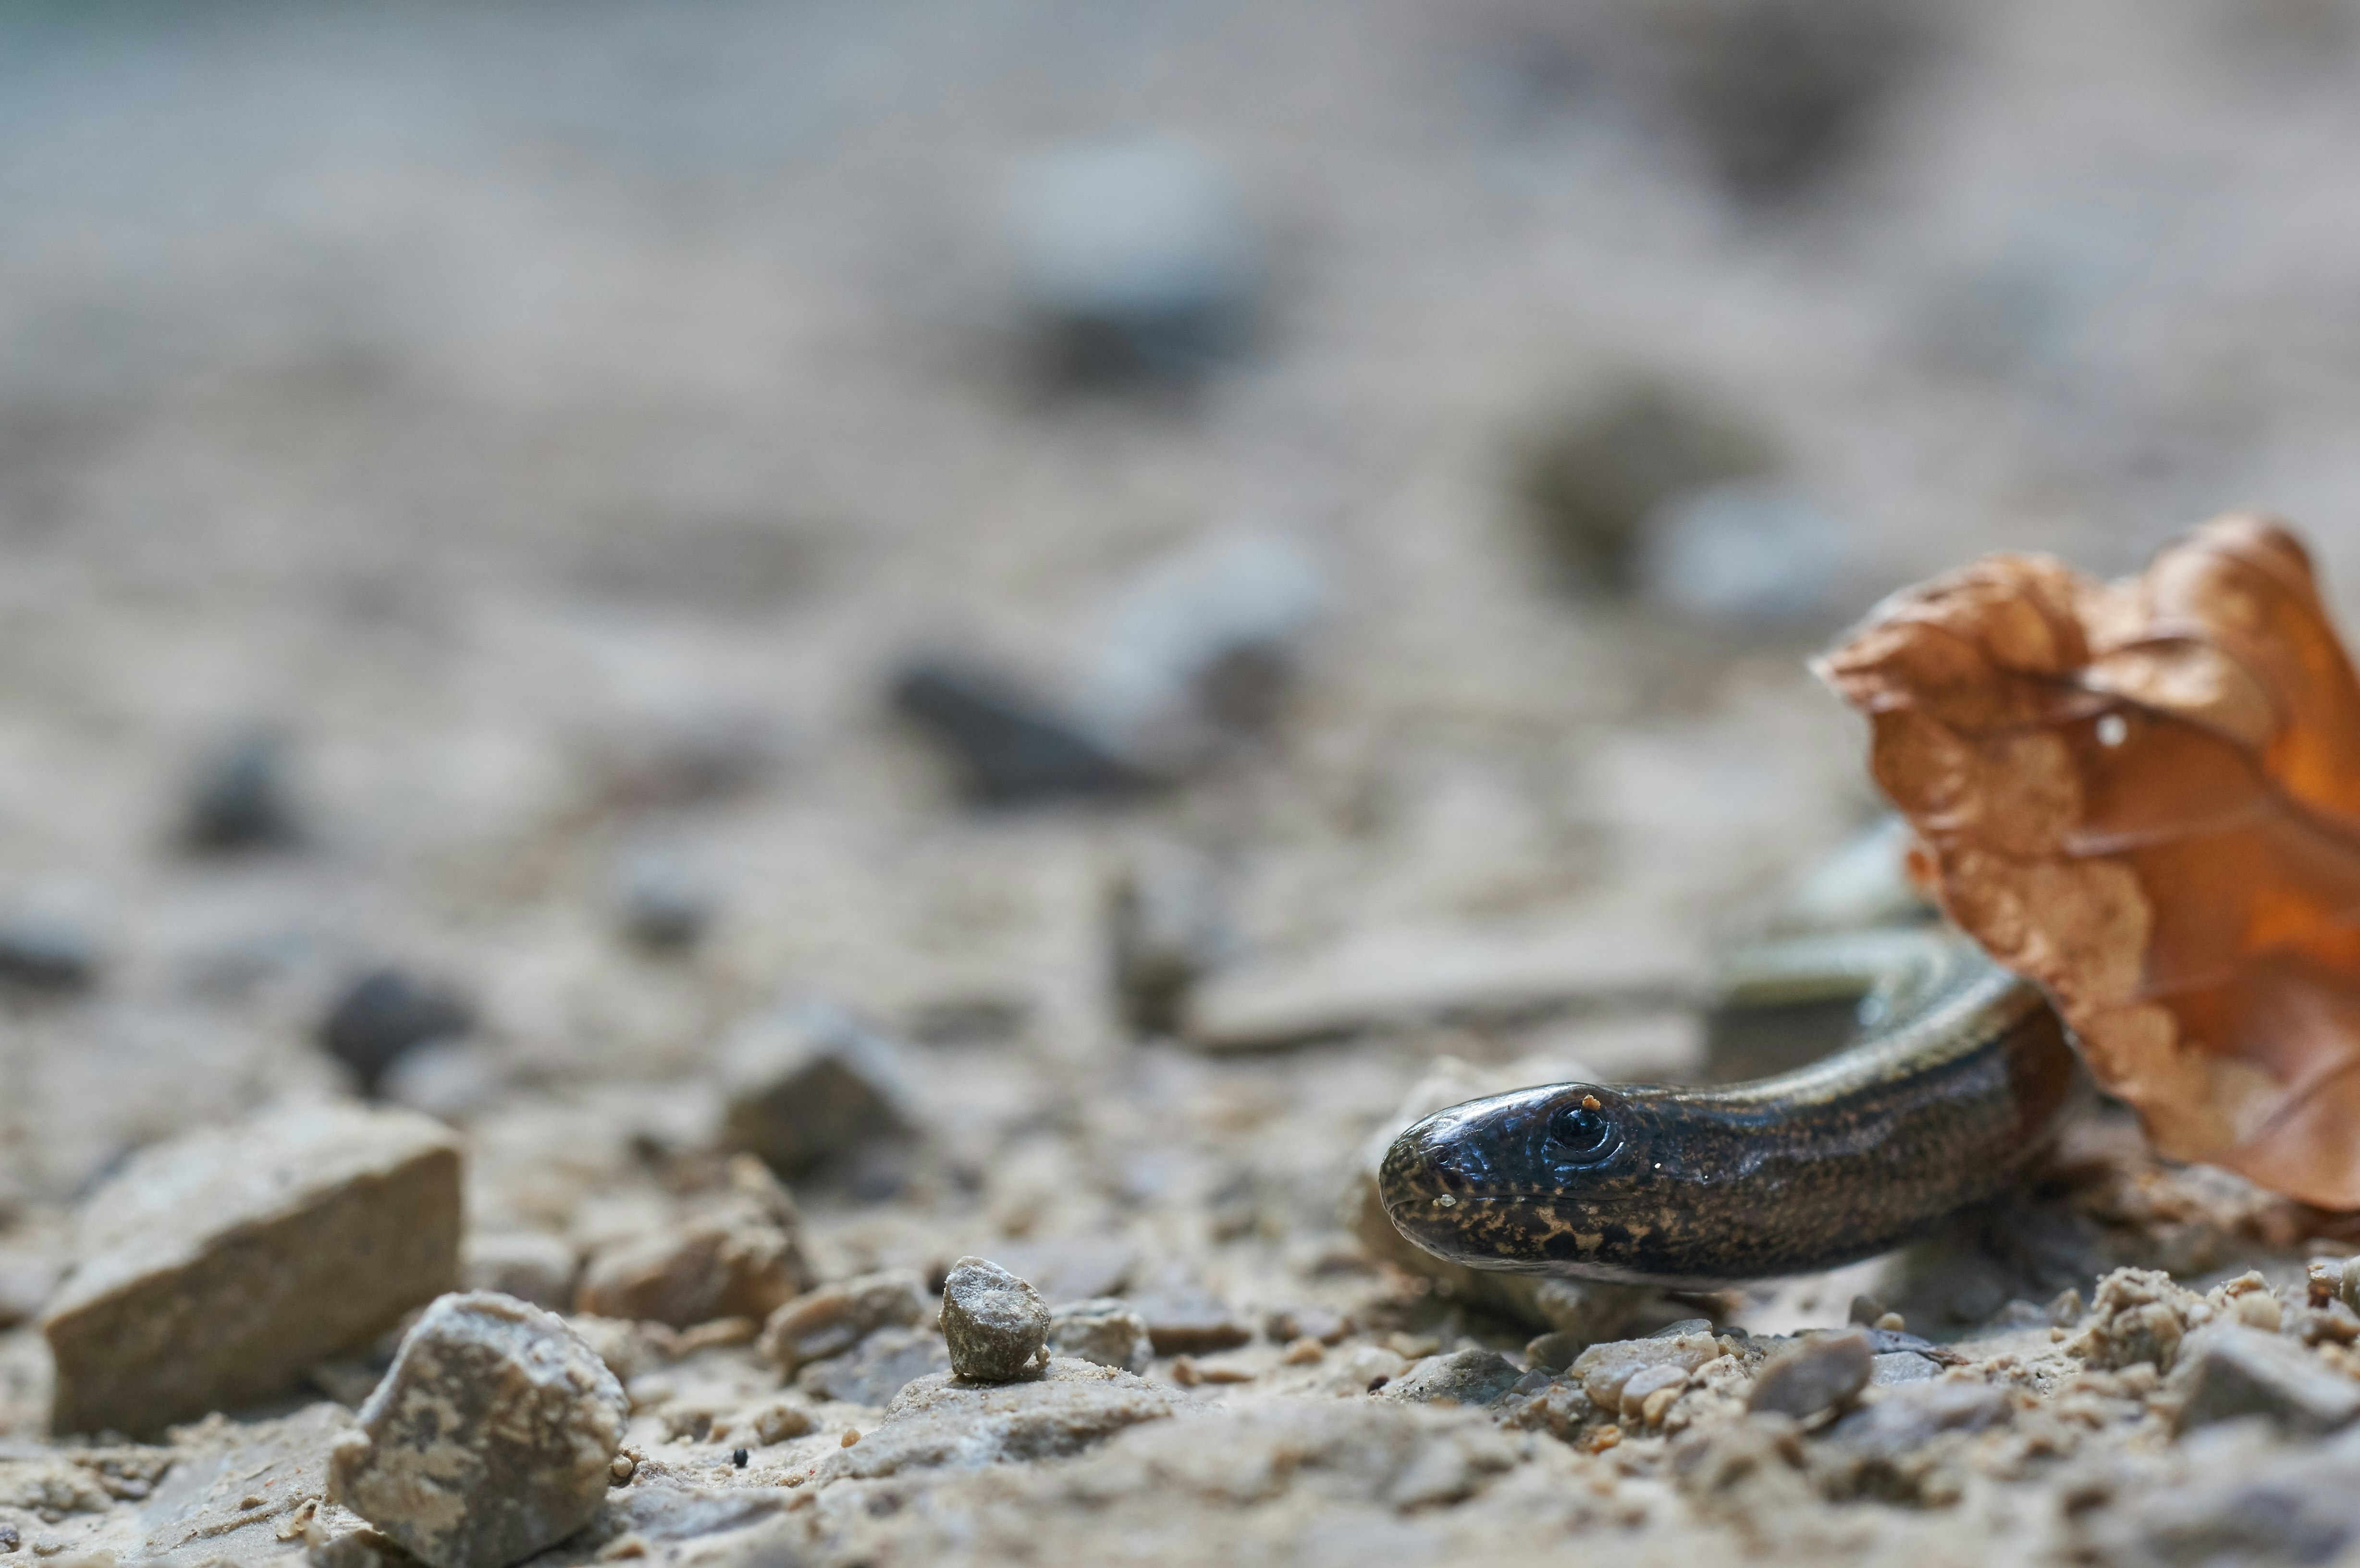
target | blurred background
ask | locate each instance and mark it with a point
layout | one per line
(530, 528)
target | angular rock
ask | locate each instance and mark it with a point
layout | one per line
(1824, 1372)
(1013, 749)
(531, 1265)
(734, 1254)
(2226, 1370)
(215, 1269)
(1463, 1378)
(1102, 1331)
(489, 1439)
(878, 1368)
(386, 1013)
(807, 1082)
(996, 1322)
(831, 1319)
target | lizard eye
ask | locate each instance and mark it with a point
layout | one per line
(1581, 1132)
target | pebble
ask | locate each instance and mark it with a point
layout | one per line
(807, 1082)
(240, 794)
(1184, 1321)
(531, 1265)
(1012, 747)
(2227, 1370)
(737, 1253)
(212, 1270)
(492, 1437)
(832, 1319)
(996, 1322)
(1473, 1376)
(878, 1368)
(1134, 258)
(386, 1013)
(1168, 926)
(1102, 1331)
(1823, 1372)
(1603, 1370)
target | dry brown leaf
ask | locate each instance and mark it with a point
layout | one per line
(2145, 796)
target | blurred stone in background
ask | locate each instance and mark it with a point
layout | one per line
(241, 792)
(1593, 471)
(1199, 647)
(1136, 261)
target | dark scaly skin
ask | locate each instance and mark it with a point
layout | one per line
(1695, 1188)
